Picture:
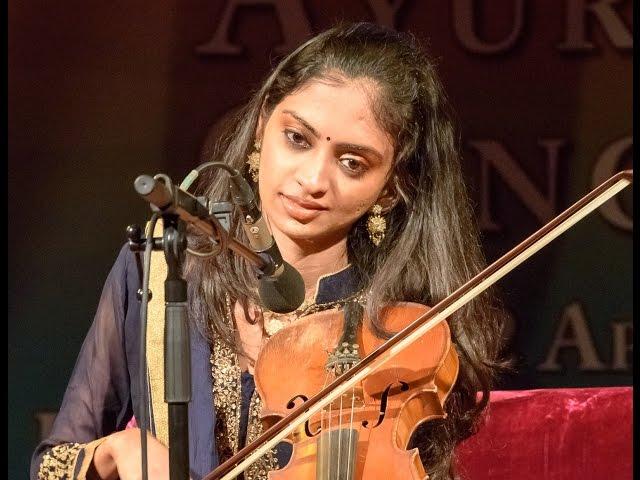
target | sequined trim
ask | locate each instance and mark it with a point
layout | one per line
(269, 461)
(59, 462)
(227, 395)
(227, 398)
(274, 322)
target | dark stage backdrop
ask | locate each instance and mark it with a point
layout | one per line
(100, 93)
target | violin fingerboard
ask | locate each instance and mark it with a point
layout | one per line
(337, 454)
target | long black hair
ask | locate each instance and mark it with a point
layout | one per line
(431, 245)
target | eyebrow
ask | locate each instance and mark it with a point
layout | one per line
(303, 122)
(347, 146)
(360, 148)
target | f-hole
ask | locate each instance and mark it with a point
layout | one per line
(404, 386)
(292, 404)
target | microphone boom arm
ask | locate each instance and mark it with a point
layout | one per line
(189, 209)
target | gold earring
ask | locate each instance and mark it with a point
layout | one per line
(376, 225)
(253, 160)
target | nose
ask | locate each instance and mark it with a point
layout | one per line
(314, 172)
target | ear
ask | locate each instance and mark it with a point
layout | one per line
(258, 134)
(262, 120)
(259, 128)
(388, 198)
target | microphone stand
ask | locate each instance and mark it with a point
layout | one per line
(178, 208)
(177, 360)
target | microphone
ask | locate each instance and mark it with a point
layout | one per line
(280, 286)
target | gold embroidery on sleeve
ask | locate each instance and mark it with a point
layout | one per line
(59, 462)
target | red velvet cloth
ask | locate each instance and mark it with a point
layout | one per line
(550, 434)
(559, 433)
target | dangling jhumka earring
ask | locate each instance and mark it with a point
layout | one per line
(376, 225)
(253, 160)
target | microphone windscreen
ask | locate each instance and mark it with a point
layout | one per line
(153, 191)
(283, 293)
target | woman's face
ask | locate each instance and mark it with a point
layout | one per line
(324, 161)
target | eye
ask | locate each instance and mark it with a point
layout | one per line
(296, 139)
(353, 166)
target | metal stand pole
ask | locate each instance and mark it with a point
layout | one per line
(177, 360)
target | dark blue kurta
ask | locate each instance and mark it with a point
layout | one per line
(103, 394)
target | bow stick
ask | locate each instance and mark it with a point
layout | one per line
(443, 309)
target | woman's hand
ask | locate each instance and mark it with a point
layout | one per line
(119, 456)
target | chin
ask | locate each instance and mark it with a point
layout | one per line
(302, 232)
(312, 233)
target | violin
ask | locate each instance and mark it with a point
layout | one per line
(370, 421)
(350, 418)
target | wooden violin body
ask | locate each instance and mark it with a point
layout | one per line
(291, 366)
(363, 435)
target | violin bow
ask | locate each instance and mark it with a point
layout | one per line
(419, 327)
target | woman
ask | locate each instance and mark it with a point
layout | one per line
(354, 157)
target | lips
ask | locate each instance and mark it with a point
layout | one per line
(301, 209)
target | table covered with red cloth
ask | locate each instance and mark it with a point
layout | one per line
(558, 433)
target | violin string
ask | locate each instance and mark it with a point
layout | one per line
(323, 411)
(339, 439)
(353, 398)
(328, 450)
(324, 428)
